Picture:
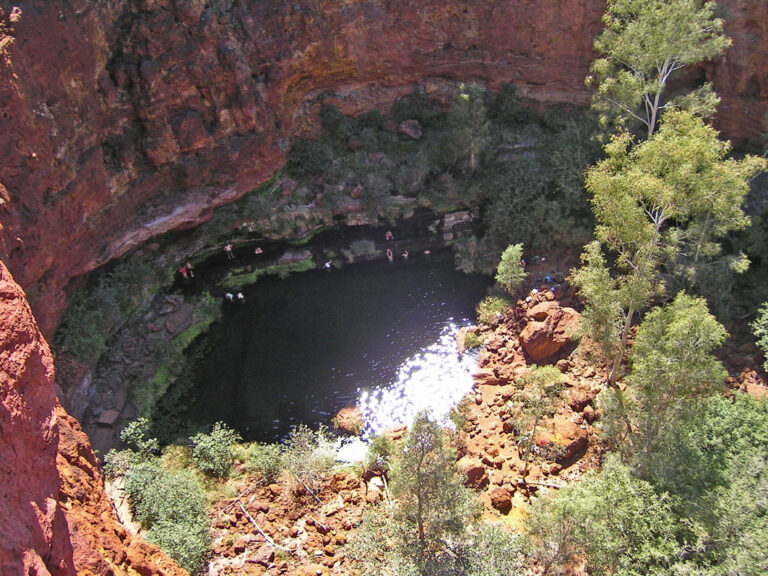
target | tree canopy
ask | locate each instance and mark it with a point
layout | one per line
(643, 44)
(510, 272)
(663, 206)
(672, 364)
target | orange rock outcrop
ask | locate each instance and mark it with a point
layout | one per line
(55, 518)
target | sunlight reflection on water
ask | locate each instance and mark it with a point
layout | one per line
(434, 379)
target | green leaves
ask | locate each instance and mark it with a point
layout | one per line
(212, 452)
(644, 42)
(616, 522)
(760, 330)
(672, 366)
(510, 272)
(662, 206)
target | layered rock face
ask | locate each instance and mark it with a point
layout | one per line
(54, 515)
(126, 119)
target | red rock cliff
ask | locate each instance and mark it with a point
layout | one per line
(54, 515)
(122, 120)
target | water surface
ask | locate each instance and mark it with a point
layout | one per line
(378, 334)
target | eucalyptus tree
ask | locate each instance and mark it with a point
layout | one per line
(672, 365)
(469, 126)
(662, 206)
(643, 44)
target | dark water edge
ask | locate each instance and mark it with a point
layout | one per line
(298, 350)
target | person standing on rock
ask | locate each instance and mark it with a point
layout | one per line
(190, 269)
(228, 252)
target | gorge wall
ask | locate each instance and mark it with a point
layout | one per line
(123, 119)
(54, 515)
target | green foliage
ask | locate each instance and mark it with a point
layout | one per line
(171, 506)
(472, 340)
(714, 464)
(433, 504)
(266, 460)
(380, 452)
(510, 272)
(186, 542)
(118, 462)
(468, 132)
(533, 185)
(644, 43)
(308, 158)
(672, 365)
(708, 452)
(603, 314)
(667, 201)
(461, 413)
(615, 522)
(760, 330)
(135, 433)
(490, 550)
(521, 162)
(421, 534)
(491, 309)
(309, 454)
(212, 453)
(98, 311)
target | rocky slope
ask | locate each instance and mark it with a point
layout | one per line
(54, 515)
(126, 119)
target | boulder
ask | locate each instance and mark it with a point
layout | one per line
(568, 435)
(578, 399)
(474, 473)
(548, 330)
(485, 377)
(410, 128)
(265, 555)
(349, 419)
(501, 499)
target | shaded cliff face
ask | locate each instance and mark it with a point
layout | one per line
(126, 119)
(54, 515)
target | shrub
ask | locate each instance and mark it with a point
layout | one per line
(380, 453)
(472, 340)
(171, 506)
(212, 453)
(118, 462)
(491, 550)
(135, 433)
(510, 272)
(491, 309)
(265, 459)
(187, 542)
(308, 158)
(460, 413)
(615, 522)
(760, 330)
(309, 454)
